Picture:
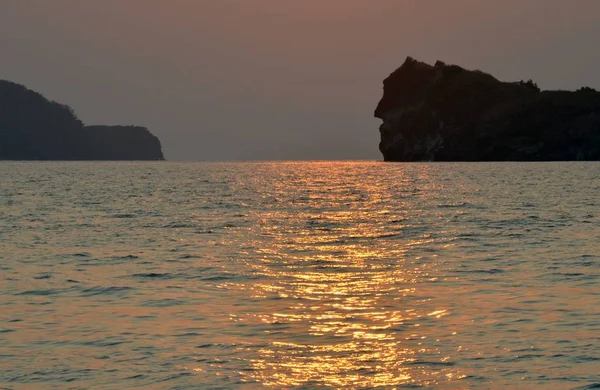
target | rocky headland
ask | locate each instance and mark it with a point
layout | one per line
(35, 128)
(447, 113)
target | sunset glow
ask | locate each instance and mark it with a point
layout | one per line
(300, 194)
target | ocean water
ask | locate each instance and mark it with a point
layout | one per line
(299, 275)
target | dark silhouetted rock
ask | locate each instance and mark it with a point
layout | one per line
(121, 143)
(34, 128)
(446, 113)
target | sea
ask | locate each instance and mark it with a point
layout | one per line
(299, 275)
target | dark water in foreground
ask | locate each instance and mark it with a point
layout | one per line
(299, 275)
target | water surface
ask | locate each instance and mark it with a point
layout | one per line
(299, 275)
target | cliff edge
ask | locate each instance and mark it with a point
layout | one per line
(447, 113)
(35, 128)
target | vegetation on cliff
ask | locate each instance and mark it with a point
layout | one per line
(35, 128)
(447, 113)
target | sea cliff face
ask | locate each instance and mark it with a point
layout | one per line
(447, 113)
(35, 128)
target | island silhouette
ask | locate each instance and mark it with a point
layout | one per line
(35, 128)
(447, 113)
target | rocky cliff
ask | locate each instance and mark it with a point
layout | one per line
(34, 128)
(447, 113)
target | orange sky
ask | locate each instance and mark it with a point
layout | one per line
(272, 79)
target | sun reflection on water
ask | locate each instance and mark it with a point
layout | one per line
(334, 279)
(356, 335)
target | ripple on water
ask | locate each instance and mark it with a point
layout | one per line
(101, 290)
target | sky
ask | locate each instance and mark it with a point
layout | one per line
(277, 79)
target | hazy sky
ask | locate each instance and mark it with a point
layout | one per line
(277, 79)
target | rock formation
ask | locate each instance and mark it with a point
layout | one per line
(446, 113)
(34, 128)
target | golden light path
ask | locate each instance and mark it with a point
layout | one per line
(340, 305)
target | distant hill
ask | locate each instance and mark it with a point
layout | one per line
(35, 128)
(447, 113)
